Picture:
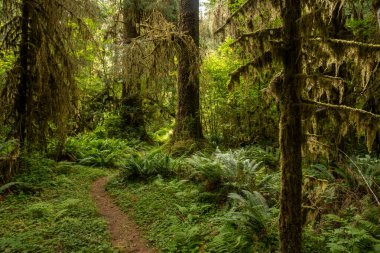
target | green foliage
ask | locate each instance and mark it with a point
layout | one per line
(236, 4)
(163, 134)
(370, 168)
(185, 147)
(250, 226)
(40, 210)
(174, 212)
(7, 60)
(319, 171)
(38, 170)
(180, 216)
(95, 151)
(170, 212)
(144, 166)
(234, 170)
(7, 147)
(354, 233)
(60, 217)
(114, 126)
(251, 209)
(17, 187)
(362, 28)
(235, 114)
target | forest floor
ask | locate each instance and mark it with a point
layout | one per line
(70, 211)
(124, 232)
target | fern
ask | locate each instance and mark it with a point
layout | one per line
(319, 171)
(92, 151)
(345, 234)
(250, 225)
(229, 240)
(231, 170)
(146, 166)
(251, 211)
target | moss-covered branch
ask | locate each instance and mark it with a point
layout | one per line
(233, 15)
(348, 43)
(264, 60)
(341, 108)
(260, 34)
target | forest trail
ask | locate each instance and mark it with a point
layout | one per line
(124, 231)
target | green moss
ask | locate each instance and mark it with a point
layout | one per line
(187, 147)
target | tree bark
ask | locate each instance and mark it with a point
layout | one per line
(188, 123)
(291, 132)
(22, 90)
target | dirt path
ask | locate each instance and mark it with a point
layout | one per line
(124, 231)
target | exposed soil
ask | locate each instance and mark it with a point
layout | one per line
(124, 231)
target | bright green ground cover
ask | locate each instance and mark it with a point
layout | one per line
(59, 217)
(172, 214)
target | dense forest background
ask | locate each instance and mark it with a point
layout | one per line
(248, 126)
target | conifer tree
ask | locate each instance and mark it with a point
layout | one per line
(40, 90)
(188, 123)
(308, 49)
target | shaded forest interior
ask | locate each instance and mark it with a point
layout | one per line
(222, 125)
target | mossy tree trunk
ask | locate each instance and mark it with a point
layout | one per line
(132, 107)
(291, 132)
(188, 123)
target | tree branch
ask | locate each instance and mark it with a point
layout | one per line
(340, 108)
(263, 60)
(275, 32)
(348, 43)
(229, 19)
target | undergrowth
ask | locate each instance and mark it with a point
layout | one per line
(52, 211)
(227, 201)
(93, 150)
(202, 203)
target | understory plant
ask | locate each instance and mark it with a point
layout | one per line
(250, 225)
(91, 150)
(145, 166)
(236, 170)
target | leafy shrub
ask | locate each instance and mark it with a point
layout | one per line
(163, 134)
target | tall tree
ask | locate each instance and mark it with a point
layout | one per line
(135, 63)
(188, 123)
(291, 130)
(24, 58)
(312, 51)
(132, 111)
(40, 89)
